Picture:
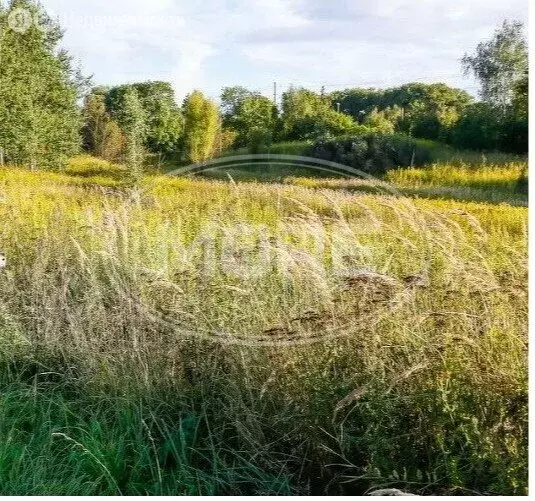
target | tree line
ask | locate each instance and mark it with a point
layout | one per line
(48, 110)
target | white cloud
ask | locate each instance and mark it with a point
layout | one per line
(341, 41)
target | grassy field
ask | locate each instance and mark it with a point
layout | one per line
(194, 336)
(494, 183)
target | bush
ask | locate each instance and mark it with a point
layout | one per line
(372, 153)
(514, 134)
(484, 127)
(257, 139)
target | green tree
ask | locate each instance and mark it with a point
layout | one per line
(521, 96)
(516, 127)
(479, 128)
(501, 120)
(299, 109)
(428, 110)
(499, 64)
(231, 101)
(257, 113)
(422, 110)
(308, 115)
(165, 123)
(101, 135)
(329, 124)
(201, 126)
(249, 114)
(39, 88)
(133, 120)
(359, 103)
(378, 121)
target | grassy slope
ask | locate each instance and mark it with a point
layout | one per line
(99, 397)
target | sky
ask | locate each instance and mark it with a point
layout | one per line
(209, 44)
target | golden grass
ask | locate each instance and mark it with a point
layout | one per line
(486, 183)
(429, 377)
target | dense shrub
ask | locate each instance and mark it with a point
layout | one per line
(478, 129)
(514, 137)
(372, 153)
(483, 127)
(258, 138)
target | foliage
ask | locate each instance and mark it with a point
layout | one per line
(201, 125)
(101, 135)
(372, 153)
(281, 148)
(479, 128)
(259, 138)
(248, 114)
(499, 64)
(329, 124)
(224, 141)
(501, 120)
(483, 127)
(515, 133)
(133, 119)
(231, 101)
(39, 118)
(307, 115)
(521, 96)
(421, 110)
(164, 117)
(379, 121)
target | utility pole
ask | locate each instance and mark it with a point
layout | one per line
(275, 96)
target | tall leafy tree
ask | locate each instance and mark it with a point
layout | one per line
(499, 64)
(134, 123)
(308, 115)
(422, 110)
(201, 126)
(164, 118)
(231, 101)
(501, 120)
(39, 116)
(250, 114)
(521, 96)
(101, 135)
(299, 105)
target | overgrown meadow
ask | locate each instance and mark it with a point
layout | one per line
(395, 356)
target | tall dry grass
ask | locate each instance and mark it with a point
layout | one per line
(398, 360)
(492, 183)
